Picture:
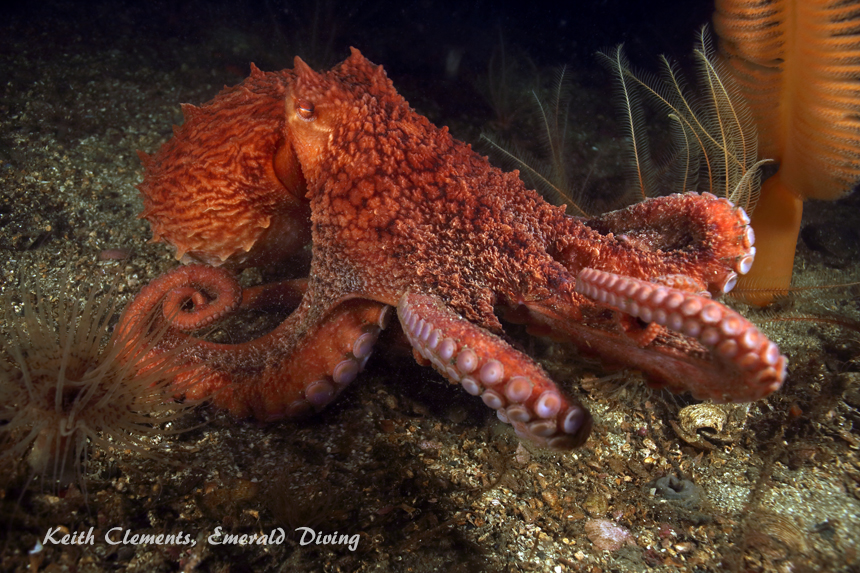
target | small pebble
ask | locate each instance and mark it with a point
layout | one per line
(595, 505)
(606, 535)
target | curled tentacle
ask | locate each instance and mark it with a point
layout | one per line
(211, 293)
(290, 371)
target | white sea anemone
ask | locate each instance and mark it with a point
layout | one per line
(66, 384)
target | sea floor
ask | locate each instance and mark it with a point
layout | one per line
(412, 473)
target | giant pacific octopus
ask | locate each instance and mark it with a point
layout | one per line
(404, 216)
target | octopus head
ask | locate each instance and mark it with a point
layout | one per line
(325, 112)
(312, 112)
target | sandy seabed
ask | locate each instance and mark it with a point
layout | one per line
(405, 472)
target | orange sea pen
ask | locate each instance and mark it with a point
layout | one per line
(797, 62)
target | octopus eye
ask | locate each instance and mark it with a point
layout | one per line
(305, 109)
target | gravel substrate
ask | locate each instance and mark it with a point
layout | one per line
(412, 473)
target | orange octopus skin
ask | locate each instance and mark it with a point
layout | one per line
(227, 187)
(404, 215)
(249, 378)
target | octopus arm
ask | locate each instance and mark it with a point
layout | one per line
(696, 344)
(289, 372)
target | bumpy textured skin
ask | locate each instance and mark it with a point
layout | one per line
(227, 188)
(404, 215)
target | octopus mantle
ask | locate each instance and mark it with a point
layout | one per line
(403, 216)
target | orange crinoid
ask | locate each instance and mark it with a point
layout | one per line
(797, 62)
